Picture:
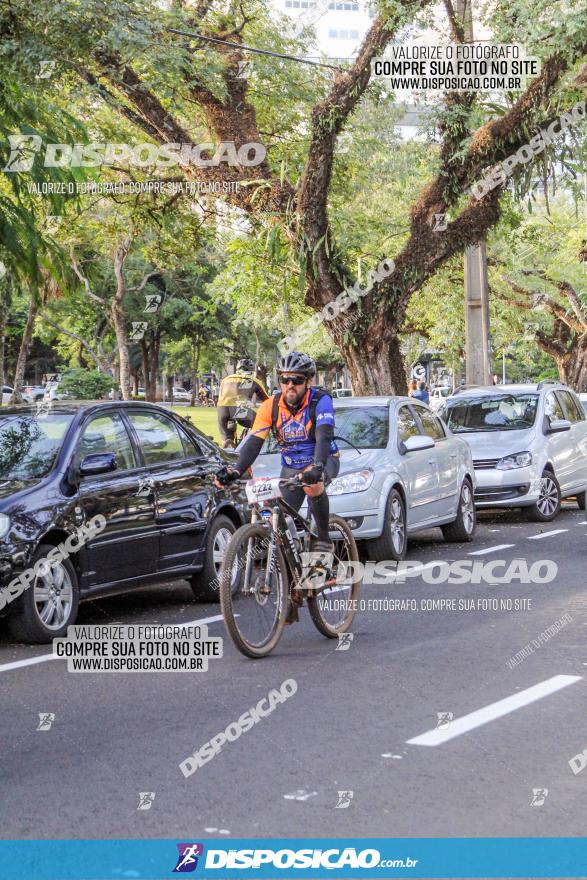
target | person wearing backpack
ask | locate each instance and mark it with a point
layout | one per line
(301, 417)
(421, 393)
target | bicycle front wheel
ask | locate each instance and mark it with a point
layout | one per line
(333, 609)
(254, 590)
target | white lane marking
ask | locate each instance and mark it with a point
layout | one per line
(494, 710)
(546, 534)
(491, 549)
(191, 622)
(582, 522)
(44, 658)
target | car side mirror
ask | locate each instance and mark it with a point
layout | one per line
(418, 441)
(557, 425)
(98, 463)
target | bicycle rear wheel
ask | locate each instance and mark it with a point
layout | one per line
(254, 604)
(333, 609)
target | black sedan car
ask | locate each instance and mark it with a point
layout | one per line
(141, 472)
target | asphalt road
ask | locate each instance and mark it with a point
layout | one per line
(347, 728)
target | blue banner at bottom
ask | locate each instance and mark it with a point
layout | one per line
(291, 857)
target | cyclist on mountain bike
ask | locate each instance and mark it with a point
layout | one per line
(240, 387)
(302, 419)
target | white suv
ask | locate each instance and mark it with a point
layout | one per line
(529, 445)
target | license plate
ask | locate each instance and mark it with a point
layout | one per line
(262, 489)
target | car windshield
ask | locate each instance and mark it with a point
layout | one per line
(29, 445)
(366, 428)
(496, 412)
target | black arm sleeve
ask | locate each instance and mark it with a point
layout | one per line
(324, 437)
(251, 449)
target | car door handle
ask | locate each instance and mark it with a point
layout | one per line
(453, 455)
(431, 461)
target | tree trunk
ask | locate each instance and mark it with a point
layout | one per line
(118, 322)
(154, 360)
(195, 371)
(145, 367)
(329, 377)
(3, 313)
(123, 358)
(23, 353)
(572, 367)
(375, 366)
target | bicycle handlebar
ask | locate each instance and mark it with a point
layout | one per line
(292, 482)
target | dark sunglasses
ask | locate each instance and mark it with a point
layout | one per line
(292, 380)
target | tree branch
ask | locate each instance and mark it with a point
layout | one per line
(145, 280)
(85, 281)
(80, 339)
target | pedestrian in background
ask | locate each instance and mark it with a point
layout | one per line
(412, 387)
(421, 393)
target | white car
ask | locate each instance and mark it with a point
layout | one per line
(341, 392)
(6, 394)
(438, 395)
(583, 399)
(529, 445)
(181, 394)
(401, 471)
(33, 393)
(52, 392)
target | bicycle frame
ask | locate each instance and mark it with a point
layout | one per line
(289, 550)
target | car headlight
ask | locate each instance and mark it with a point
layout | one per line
(509, 462)
(4, 525)
(358, 481)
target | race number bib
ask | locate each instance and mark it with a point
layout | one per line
(263, 489)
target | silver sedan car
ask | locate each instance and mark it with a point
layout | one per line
(401, 471)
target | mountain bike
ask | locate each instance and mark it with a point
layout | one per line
(269, 569)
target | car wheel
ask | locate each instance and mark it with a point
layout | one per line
(581, 498)
(463, 527)
(49, 605)
(205, 583)
(549, 500)
(393, 542)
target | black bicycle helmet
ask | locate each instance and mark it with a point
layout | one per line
(245, 365)
(297, 362)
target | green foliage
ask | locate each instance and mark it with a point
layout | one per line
(86, 384)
